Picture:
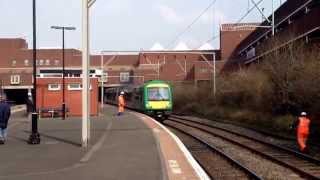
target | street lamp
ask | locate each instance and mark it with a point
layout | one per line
(34, 137)
(102, 81)
(214, 74)
(63, 28)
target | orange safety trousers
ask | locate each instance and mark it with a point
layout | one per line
(303, 132)
(121, 104)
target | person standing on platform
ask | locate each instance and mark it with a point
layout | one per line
(303, 131)
(121, 103)
(5, 113)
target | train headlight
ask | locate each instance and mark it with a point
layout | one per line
(148, 105)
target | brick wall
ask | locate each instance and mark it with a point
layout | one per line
(73, 98)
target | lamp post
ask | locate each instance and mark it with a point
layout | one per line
(273, 26)
(34, 137)
(102, 81)
(86, 4)
(63, 28)
(214, 74)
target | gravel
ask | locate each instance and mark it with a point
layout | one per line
(261, 166)
(292, 144)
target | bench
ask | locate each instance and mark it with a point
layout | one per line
(52, 112)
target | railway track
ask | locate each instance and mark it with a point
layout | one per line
(314, 142)
(304, 165)
(228, 167)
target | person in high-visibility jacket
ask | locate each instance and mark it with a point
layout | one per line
(121, 103)
(303, 131)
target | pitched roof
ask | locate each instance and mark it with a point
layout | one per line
(205, 47)
(115, 60)
(157, 47)
(181, 47)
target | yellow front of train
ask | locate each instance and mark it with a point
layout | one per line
(158, 99)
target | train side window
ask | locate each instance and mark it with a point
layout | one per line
(129, 96)
(113, 96)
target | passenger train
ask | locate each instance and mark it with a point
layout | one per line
(153, 98)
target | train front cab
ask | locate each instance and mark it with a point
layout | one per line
(158, 100)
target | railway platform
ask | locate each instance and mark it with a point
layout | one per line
(132, 146)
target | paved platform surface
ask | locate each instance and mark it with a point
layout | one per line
(122, 147)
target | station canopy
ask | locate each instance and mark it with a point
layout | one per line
(206, 47)
(157, 47)
(181, 47)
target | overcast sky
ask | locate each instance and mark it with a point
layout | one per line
(124, 24)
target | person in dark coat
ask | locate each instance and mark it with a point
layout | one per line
(5, 113)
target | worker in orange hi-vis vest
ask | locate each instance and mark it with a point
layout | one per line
(303, 131)
(121, 103)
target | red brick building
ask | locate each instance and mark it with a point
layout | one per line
(49, 95)
(295, 20)
(231, 36)
(118, 67)
(239, 44)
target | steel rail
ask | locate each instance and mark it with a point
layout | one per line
(301, 155)
(246, 170)
(260, 131)
(268, 156)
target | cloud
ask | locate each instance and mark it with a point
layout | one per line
(169, 14)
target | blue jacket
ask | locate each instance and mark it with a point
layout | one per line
(5, 113)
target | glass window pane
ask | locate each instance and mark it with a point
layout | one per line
(158, 94)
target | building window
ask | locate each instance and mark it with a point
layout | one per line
(26, 62)
(74, 87)
(14, 62)
(54, 87)
(124, 77)
(41, 62)
(203, 70)
(251, 53)
(56, 62)
(47, 62)
(104, 77)
(15, 79)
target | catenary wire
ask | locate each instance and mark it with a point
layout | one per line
(192, 23)
(238, 21)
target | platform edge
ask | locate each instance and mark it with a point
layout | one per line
(198, 169)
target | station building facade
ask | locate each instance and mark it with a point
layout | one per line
(50, 98)
(296, 21)
(111, 69)
(240, 44)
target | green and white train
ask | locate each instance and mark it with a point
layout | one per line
(154, 98)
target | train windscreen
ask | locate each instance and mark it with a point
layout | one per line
(158, 94)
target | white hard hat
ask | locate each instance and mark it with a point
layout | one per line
(121, 93)
(303, 113)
